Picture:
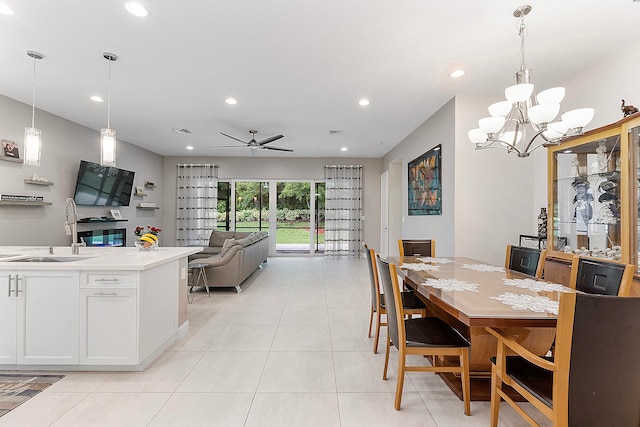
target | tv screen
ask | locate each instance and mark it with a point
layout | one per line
(99, 185)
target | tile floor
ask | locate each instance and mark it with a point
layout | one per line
(290, 350)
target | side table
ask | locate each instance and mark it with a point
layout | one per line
(198, 278)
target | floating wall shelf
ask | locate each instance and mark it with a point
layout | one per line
(23, 203)
(97, 220)
(30, 181)
(11, 159)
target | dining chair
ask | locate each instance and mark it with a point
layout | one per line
(417, 247)
(411, 304)
(593, 378)
(526, 260)
(426, 336)
(598, 276)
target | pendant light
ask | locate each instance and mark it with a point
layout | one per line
(33, 136)
(506, 127)
(108, 135)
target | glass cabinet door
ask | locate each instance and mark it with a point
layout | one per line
(587, 199)
(634, 142)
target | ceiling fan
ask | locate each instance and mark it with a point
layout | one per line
(253, 144)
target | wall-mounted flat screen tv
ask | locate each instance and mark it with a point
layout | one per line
(99, 185)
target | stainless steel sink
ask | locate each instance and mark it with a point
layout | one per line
(48, 259)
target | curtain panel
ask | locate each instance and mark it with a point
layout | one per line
(343, 211)
(197, 203)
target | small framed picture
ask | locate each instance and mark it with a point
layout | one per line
(115, 213)
(10, 149)
(139, 191)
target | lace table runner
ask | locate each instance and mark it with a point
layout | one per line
(535, 285)
(448, 285)
(432, 260)
(420, 267)
(539, 304)
(483, 267)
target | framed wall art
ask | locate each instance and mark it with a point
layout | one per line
(425, 183)
(10, 149)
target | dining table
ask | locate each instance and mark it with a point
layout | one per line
(471, 295)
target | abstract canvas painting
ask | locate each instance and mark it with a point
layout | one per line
(425, 183)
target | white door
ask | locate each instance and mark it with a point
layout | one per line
(384, 215)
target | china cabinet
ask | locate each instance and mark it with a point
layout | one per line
(593, 193)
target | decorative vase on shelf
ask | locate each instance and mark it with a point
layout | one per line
(542, 223)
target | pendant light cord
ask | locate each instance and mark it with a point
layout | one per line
(109, 98)
(33, 103)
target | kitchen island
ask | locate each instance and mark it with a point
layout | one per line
(105, 309)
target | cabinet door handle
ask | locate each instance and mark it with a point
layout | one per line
(107, 280)
(18, 290)
(102, 294)
(10, 290)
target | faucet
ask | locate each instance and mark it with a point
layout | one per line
(71, 227)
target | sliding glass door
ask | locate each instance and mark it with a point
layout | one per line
(291, 211)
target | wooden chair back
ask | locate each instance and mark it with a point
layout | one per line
(417, 247)
(602, 277)
(373, 278)
(604, 343)
(391, 295)
(526, 260)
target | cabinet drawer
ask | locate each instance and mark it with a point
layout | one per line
(108, 279)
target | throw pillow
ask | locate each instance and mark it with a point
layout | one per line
(227, 245)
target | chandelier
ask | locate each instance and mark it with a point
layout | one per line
(506, 127)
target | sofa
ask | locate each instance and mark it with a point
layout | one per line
(232, 256)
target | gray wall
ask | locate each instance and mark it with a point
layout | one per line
(64, 144)
(438, 129)
(282, 168)
(486, 194)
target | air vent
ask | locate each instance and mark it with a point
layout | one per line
(335, 132)
(183, 130)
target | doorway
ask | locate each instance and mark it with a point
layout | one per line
(291, 211)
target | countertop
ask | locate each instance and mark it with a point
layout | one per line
(90, 258)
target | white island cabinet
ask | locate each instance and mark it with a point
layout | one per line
(30, 335)
(111, 309)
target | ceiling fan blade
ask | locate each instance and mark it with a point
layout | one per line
(228, 146)
(270, 139)
(233, 137)
(277, 149)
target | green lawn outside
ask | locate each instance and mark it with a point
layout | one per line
(286, 232)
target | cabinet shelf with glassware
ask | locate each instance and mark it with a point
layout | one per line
(593, 193)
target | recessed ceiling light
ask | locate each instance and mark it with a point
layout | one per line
(457, 73)
(343, 149)
(567, 151)
(231, 101)
(189, 147)
(96, 98)
(136, 9)
(5, 10)
(364, 101)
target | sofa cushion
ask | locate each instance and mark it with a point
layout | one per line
(218, 237)
(227, 245)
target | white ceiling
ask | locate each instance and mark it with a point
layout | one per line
(296, 67)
